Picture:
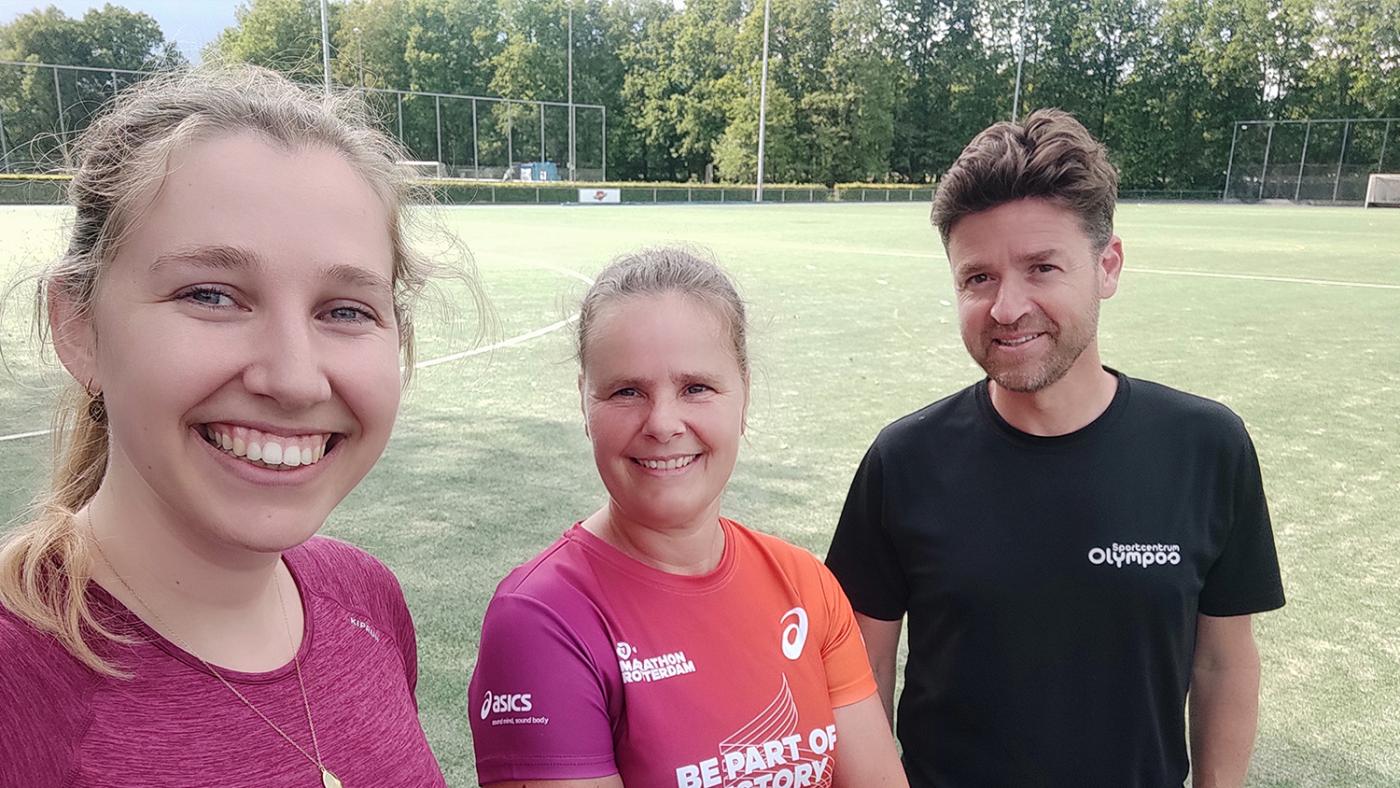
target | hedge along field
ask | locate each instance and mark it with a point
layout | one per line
(1286, 314)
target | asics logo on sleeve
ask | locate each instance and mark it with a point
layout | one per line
(497, 703)
(794, 633)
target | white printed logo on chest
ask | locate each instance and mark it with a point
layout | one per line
(769, 751)
(636, 669)
(794, 633)
(1140, 555)
(364, 625)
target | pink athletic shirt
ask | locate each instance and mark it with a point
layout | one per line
(594, 664)
(173, 724)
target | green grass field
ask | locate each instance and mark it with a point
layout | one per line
(1286, 314)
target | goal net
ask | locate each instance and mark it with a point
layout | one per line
(425, 169)
(1383, 190)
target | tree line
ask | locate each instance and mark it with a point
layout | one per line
(858, 90)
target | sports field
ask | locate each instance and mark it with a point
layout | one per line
(1287, 314)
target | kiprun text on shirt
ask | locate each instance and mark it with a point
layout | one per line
(789, 762)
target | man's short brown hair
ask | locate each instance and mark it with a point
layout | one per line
(1051, 156)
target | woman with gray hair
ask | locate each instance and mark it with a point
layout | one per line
(657, 642)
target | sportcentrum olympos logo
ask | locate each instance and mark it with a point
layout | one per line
(1121, 555)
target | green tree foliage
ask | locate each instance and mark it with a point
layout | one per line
(280, 34)
(110, 37)
(858, 90)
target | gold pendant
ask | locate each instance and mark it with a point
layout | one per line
(329, 780)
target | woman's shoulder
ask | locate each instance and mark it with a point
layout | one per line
(349, 577)
(561, 569)
(330, 565)
(31, 656)
(789, 555)
(45, 699)
(794, 565)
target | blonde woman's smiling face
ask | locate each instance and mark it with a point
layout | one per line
(245, 341)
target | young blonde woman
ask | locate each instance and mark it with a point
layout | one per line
(657, 643)
(232, 309)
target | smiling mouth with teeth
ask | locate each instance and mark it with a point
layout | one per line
(265, 450)
(1015, 342)
(666, 465)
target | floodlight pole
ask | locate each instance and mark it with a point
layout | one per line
(1230, 165)
(360, 55)
(1341, 159)
(325, 47)
(1020, 60)
(762, 105)
(1380, 163)
(571, 92)
(1303, 161)
(1264, 171)
(5, 148)
(62, 123)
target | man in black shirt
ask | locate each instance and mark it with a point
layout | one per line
(1074, 548)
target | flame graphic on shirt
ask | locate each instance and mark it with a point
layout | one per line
(776, 722)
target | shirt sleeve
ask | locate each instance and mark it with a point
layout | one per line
(538, 701)
(44, 707)
(1245, 576)
(848, 675)
(862, 555)
(405, 635)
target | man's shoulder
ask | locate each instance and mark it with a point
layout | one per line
(1175, 409)
(955, 411)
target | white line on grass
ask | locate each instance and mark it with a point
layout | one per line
(23, 435)
(1296, 280)
(515, 340)
(1262, 278)
(432, 362)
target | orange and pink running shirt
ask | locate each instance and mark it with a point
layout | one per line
(593, 664)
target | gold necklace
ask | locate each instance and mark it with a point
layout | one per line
(328, 780)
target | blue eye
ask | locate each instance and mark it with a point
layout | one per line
(697, 388)
(209, 297)
(349, 314)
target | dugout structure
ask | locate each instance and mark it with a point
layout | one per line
(1326, 160)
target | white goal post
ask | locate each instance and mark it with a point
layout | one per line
(1383, 190)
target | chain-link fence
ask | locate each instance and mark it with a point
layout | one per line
(43, 105)
(1311, 161)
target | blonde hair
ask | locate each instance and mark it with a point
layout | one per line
(120, 161)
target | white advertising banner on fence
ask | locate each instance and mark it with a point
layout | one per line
(600, 196)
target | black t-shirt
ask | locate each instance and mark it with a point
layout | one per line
(1052, 584)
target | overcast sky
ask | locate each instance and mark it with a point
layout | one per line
(189, 23)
